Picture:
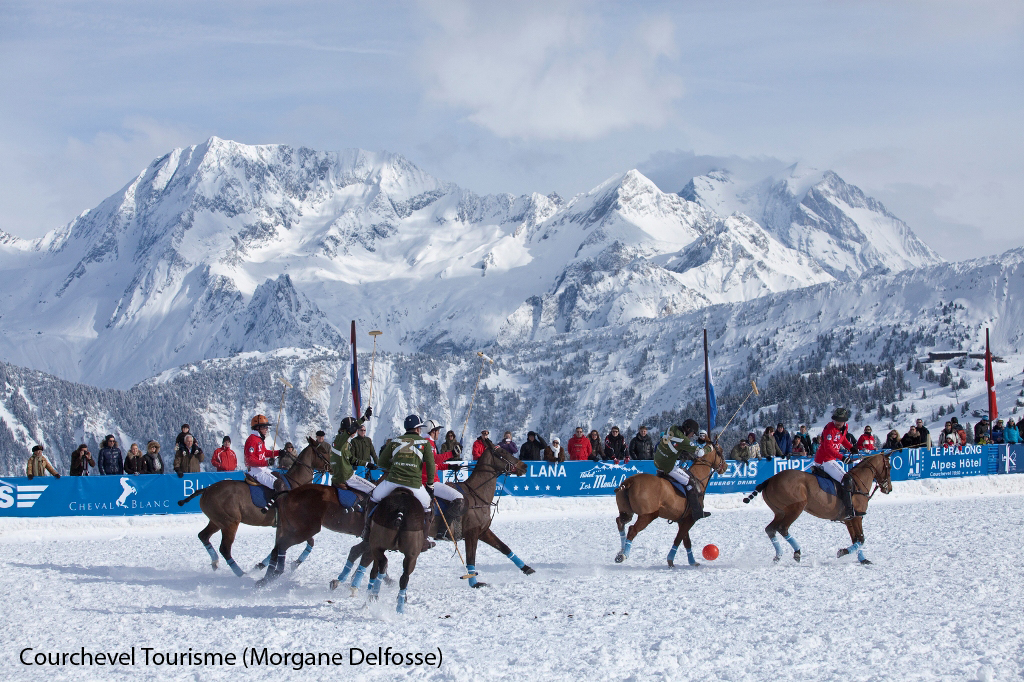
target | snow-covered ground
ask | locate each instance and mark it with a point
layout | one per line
(941, 601)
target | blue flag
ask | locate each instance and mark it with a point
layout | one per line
(709, 388)
(712, 402)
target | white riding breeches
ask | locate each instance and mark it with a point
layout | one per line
(446, 493)
(679, 474)
(264, 475)
(385, 488)
(834, 468)
(359, 483)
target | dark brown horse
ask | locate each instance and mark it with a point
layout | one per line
(789, 493)
(397, 525)
(228, 503)
(651, 497)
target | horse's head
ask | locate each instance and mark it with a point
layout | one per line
(881, 470)
(501, 460)
(715, 459)
(315, 456)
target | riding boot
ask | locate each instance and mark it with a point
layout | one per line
(695, 504)
(454, 517)
(271, 503)
(366, 519)
(846, 496)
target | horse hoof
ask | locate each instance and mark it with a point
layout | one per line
(865, 562)
(334, 585)
(479, 585)
(620, 557)
(354, 591)
(389, 581)
(372, 598)
(796, 556)
(527, 570)
(213, 565)
(259, 567)
(776, 559)
(296, 564)
(695, 564)
(671, 564)
(841, 553)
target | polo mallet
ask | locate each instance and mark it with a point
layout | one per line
(277, 425)
(375, 333)
(470, 411)
(454, 541)
(753, 391)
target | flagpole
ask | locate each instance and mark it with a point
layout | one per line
(707, 382)
(356, 406)
(990, 380)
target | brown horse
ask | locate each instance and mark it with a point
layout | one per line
(397, 525)
(651, 497)
(228, 503)
(789, 493)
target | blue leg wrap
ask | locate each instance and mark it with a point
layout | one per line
(401, 601)
(211, 551)
(689, 557)
(234, 567)
(357, 578)
(778, 547)
(373, 587)
(853, 548)
(626, 546)
(672, 552)
(860, 554)
(345, 571)
(516, 560)
(471, 569)
(792, 542)
(622, 540)
(305, 553)
(269, 559)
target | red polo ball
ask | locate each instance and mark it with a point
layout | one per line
(710, 552)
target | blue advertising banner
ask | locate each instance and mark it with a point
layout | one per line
(1010, 459)
(134, 495)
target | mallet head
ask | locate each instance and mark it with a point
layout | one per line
(376, 332)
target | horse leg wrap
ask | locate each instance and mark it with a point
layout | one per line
(622, 541)
(626, 547)
(516, 560)
(471, 569)
(234, 567)
(689, 557)
(792, 542)
(778, 546)
(357, 578)
(401, 601)
(212, 552)
(305, 553)
(672, 552)
(345, 571)
(373, 589)
(860, 555)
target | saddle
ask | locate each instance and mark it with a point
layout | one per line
(680, 489)
(825, 482)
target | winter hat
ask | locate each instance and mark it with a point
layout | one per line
(37, 448)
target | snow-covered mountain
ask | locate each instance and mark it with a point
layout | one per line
(809, 349)
(224, 248)
(817, 213)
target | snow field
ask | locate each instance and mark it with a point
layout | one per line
(941, 600)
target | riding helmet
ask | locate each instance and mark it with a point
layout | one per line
(412, 422)
(432, 425)
(258, 421)
(690, 427)
(841, 414)
(349, 425)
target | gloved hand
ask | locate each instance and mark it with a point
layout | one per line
(30, 477)
(370, 466)
(368, 413)
(181, 474)
(56, 475)
(854, 450)
(430, 491)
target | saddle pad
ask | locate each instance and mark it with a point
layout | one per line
(259, 495)
(346, 498)
(826, 483)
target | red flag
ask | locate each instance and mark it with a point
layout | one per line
(354, 375)
(993, 411)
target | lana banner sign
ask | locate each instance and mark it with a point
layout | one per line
(156, 494)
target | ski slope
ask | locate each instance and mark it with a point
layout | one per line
(941, 601)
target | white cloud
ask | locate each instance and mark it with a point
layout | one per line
(550, 70)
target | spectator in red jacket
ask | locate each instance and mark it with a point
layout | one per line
(579, 446)
(866, 441)
(479, 446)
(224, 458)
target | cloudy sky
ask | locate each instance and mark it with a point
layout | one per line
(920, 103)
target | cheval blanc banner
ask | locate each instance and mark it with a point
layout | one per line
(136, 495)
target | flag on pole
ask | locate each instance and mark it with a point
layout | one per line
(709, 388)
(993, 411)
(356, 402)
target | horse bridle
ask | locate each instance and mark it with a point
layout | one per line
(886, 473)
(495, 473)
(298, 460)
(711, 467)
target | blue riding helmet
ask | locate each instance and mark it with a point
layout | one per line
(412, 422)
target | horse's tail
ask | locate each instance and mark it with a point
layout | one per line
(181, 503)
(622, 498)
(757, 490)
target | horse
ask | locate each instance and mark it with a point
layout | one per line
(228, 503)
(478, 490)
(397, 525)
(789, 493)
(650, 497)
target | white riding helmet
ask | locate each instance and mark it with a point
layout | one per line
(431, 425)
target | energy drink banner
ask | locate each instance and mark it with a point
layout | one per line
(159, 494)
